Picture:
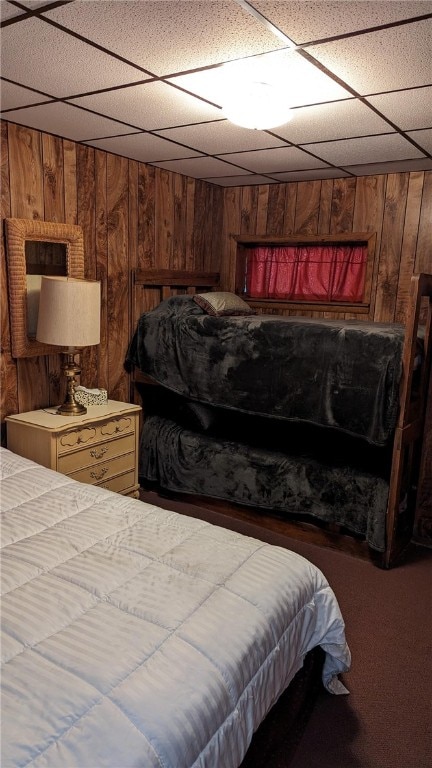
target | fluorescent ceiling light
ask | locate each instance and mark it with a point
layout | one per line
(255, 93)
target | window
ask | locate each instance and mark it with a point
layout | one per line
(335, 270)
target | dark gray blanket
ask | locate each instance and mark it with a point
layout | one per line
(187, 461)
(333, 373)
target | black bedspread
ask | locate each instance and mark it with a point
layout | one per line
(339, 374)
(225, 465)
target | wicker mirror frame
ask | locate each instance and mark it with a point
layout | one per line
(17, 232)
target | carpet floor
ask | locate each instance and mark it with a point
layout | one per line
(386, 721)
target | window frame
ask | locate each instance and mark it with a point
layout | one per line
(245, 242)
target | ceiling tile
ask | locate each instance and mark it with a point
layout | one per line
(423, 138)
(33, 4)
(240, 181)
(8, 11)
(271, 160)
(401, 166)
(200, 167)
(13, 96)
(152, 106)
(355, 151)
(322, 173)
(407, 109)
(56, 63)
(65, 120)
(305, 21)
(168, 37)
(143, 147)
(340, 119)
(222, 136)
(380, 61)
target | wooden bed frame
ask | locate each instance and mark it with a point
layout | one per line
(150, 287)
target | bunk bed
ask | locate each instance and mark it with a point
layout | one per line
(112, 612)
(317, 420)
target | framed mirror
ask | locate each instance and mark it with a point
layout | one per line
(35, 248)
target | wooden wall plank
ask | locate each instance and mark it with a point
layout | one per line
(146, 216)
(409, 243)
(34, 390)
(8, 389)
(87, 203)
(118, 274)
(368, 217)
(53, 178)
(325, 207)
(388, 272)
(86, 216)
(423, 262)
(307, 207)
(342, 205)
(290, 208)
(189, 223)
(164, 217)
(5, 173)
(217, 243)
(231, 226)
(101, 262)
(26, 173)
(132, 231)
(248, 207)
(262, 208)
(70, 182)
(201, 223)
(179, 229)
(27, 202)
(276, 209)
(54, 207)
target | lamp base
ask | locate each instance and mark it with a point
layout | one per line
(70, 406)
(71, 409)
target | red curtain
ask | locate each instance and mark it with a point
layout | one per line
(307, 273)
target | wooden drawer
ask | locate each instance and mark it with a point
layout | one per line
(120, 483)
(105, 470)
(95, 454)
(98, 432)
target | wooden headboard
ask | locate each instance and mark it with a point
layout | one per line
(151, 286)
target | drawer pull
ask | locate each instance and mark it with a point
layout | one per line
(98, 453)
(99, 474)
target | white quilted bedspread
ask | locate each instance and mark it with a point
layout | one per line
(134, 636)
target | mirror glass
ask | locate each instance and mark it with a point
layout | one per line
(41, 259)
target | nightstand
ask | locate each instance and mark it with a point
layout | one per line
(100, 448)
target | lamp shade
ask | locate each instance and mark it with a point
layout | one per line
(69, 312)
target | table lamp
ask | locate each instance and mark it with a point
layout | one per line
(69, 317)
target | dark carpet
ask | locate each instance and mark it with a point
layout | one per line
(386, 721)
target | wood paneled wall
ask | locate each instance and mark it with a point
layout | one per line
(134, 215)
(397, 207)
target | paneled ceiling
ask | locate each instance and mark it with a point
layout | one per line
(140, 78)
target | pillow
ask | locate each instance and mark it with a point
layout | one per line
(219, 303)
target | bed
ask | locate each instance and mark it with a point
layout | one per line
(113, 612)
(314, 418)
